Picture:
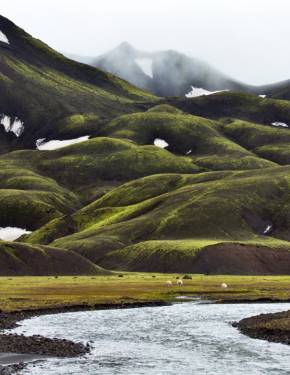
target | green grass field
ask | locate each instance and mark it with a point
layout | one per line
(19, 293)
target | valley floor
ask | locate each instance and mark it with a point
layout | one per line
(30, 293)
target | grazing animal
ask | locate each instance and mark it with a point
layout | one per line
(224, 285)
(179, 282)
(168, 283)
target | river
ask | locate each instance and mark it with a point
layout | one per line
(185, 338)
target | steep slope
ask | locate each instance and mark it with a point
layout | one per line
(40, 88)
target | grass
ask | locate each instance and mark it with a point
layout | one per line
(19, 293)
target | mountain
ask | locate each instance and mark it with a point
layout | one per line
(170, 73)
(144, 183)
(165, 73)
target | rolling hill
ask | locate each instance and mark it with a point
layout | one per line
(162, 184)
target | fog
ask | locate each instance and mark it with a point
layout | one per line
(247, 39)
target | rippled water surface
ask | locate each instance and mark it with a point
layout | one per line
(187, 338)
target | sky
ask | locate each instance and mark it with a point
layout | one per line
(246, 39)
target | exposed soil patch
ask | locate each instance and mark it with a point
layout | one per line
(271, 327)
(239, 259)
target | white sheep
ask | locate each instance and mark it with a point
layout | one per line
(168, 283)
(224, 285)
(179, 282)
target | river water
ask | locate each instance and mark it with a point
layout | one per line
(185, 338)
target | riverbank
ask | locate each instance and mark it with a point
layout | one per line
(271, 327)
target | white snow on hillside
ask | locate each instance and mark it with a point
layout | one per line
(158, 142)
(146, 65)
(56, 144)
(12, 125)
(268, 229)
(280, 124)
(3, 38)
(12, 233)
(199, 91)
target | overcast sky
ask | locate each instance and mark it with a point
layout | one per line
(247, 39)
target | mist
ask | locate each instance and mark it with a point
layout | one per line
(246, 39)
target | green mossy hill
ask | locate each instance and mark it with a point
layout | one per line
(235, 105)
(280, 153)
(223, 206)
(197, 256)
(29, 199)
(280, 90)
(18, 259)
(251, 135)
(199, 138)
(100, 161)
(269, 142)
(41, 87)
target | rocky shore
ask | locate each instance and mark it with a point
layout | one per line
(11, 369)
(271, 327)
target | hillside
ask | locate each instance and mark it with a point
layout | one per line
(162, 184)
(44, 91)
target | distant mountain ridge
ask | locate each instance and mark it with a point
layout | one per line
(170, 73)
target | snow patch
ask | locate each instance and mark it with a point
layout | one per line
(263, 96)
(12, 233)
(3, 38)
(56, 144)
(158, 142)
(14, 125)
(199, 91)
(280, 124)
(268, 229)
(146, 65)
